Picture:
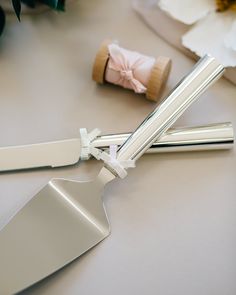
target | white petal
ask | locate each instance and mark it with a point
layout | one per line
(166, 27)
(230, 38)
(208, 35)
(187, 11)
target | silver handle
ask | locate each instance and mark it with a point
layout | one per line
(204, 74)
(209, 137)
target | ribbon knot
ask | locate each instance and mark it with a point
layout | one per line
(87, 149)
(125, 65)
(111, 160)
(127, 74)
(86, 140)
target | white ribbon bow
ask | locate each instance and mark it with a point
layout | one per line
(86, 140)
(87, 149)
(111, 160)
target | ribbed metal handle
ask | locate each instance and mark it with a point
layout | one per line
(204, 74)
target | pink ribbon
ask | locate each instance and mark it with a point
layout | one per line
(122, 67)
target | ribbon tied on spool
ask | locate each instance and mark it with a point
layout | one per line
(131, 70)
(122, 66)
(127, 76)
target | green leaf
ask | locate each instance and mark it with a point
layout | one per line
(51, 3)
(55, 4)
(30, 3)
(61, 5)
(2, 20)
(17, 7)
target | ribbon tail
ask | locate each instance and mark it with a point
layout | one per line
(137, 86)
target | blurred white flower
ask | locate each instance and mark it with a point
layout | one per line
(213, 26)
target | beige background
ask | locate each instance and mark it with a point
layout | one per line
(173, 219)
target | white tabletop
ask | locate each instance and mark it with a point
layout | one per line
(173, 218)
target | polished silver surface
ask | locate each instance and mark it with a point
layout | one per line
(205, 72)
(209, 137)
(67, 152)
(61, 222)
(48, 154)
(67, 218)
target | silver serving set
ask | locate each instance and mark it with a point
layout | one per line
(67, 218)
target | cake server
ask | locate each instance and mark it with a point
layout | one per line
(67, 218)
(68, 152)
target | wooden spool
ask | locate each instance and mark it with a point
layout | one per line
(158, 77)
